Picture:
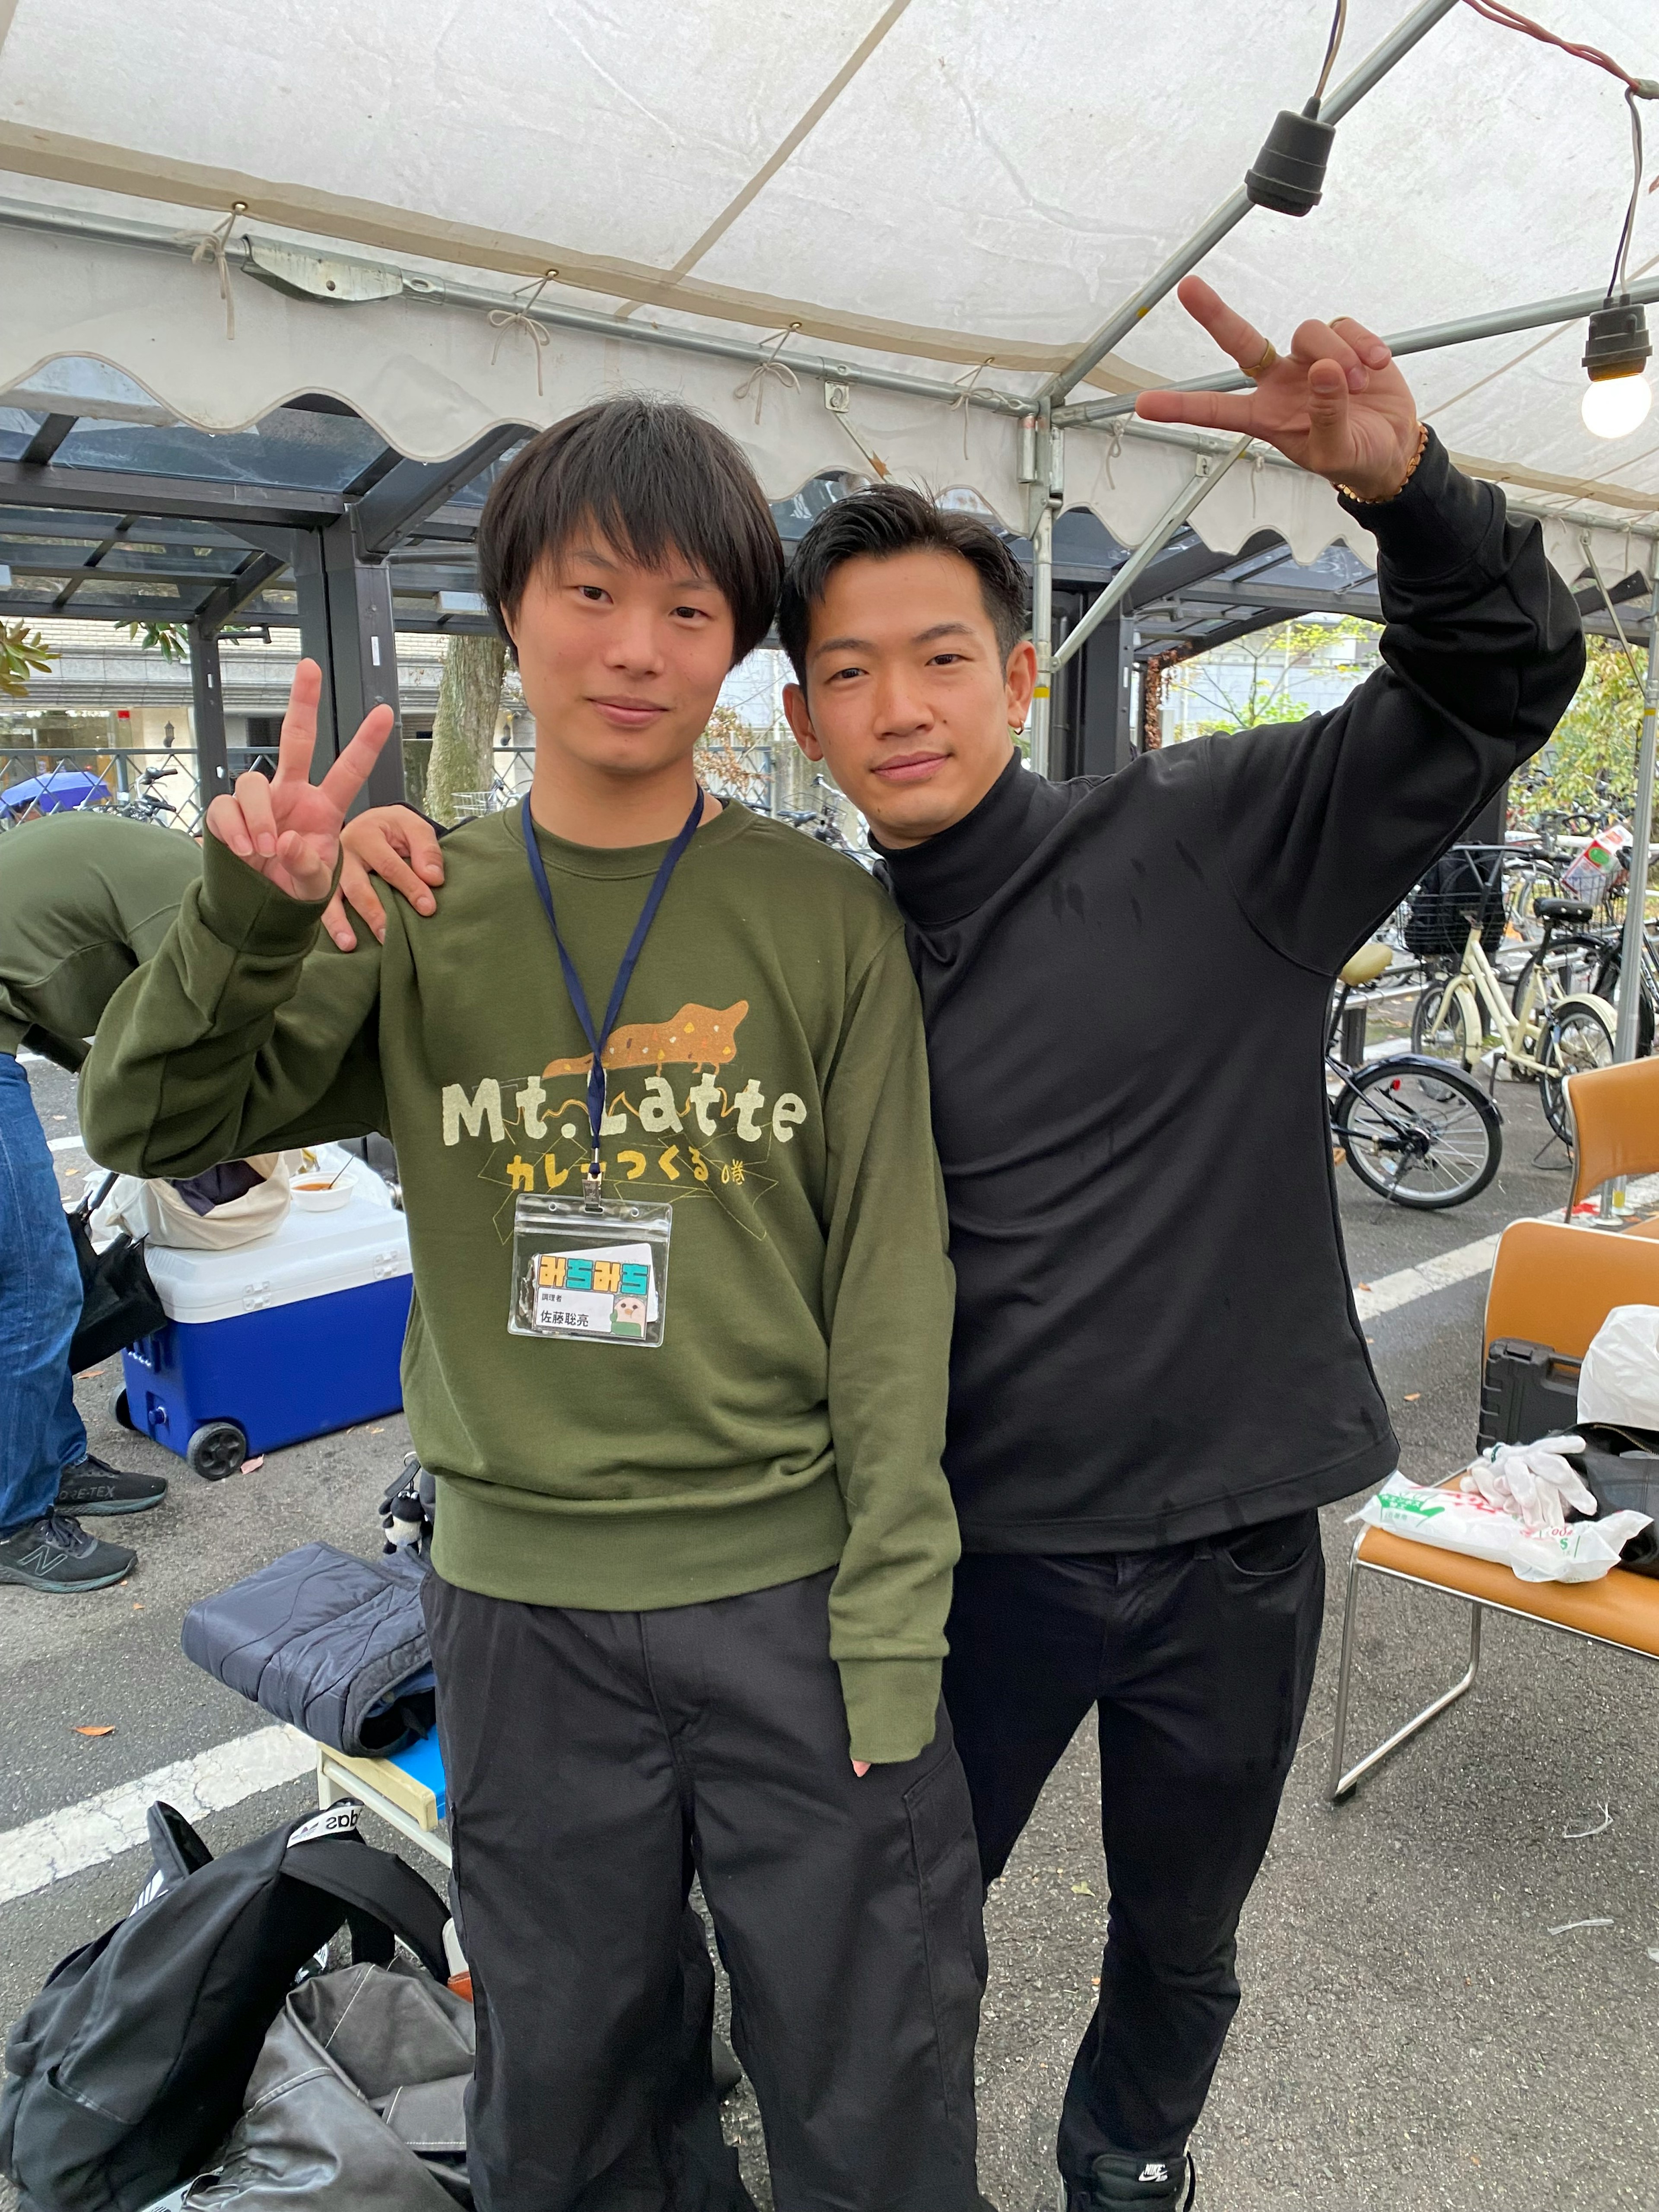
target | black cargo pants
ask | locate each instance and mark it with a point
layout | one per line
(1198, 1660)
(594, 1762)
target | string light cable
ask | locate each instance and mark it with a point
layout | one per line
(1618, 349)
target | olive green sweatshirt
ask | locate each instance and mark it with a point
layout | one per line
(84, 899)
(767, 1075)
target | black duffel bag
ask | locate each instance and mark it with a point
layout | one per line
(128, 2070)
(1621, 1469)
(118, 1303)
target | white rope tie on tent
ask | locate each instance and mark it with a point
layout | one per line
(769, 365)
(503, 319)
(964, 388)
(1113, 453)
(211, 245)
(1258, 462)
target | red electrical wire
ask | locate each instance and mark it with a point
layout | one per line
(1511, 19)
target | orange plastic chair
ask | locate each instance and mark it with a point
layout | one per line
(1615, 1124)
(1551, 1284)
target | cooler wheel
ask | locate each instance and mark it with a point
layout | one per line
(123, 1412)
(216, 1449)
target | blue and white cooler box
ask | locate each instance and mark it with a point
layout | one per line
(275, 1341)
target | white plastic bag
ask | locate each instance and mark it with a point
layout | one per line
(1592, 873)
(1618, 1382)
(1462, 1520)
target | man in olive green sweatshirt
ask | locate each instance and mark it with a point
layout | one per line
(694, 1547)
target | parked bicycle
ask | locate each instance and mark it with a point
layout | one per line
(1592, 960)
(1536, 1039)
(145, 803)
(1415, 1131)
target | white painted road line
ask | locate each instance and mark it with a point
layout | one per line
(100, 1828)
(1399, 1288)
(1456, 1266)
(65, 1144)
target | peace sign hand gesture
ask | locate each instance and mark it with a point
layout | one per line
(1336, 404)
(288, 828)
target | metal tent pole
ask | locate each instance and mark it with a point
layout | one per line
(1204, 482)
(1630, 962)
(1043, 637)
(1348, 94)
(1430, 338)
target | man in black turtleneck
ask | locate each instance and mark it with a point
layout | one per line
(1157, 1374)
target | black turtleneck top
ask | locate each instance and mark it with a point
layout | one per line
(1126, 983)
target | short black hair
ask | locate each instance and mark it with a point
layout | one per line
(891, 519)
(652, 478)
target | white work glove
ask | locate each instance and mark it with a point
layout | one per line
(1532, 1482)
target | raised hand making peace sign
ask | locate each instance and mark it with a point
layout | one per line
(288, 828)
(1336, 404)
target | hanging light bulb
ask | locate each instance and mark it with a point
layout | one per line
(1616, 352)
(1616, 406)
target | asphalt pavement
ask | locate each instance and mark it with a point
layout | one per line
(1411, 2034)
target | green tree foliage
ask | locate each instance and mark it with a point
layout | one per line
(1589, 767)
(1208, 686)
(23, 654)
(168, 639)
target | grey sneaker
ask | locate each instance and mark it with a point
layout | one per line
(93, 1486)
(1119, 2179)
(56, 1553)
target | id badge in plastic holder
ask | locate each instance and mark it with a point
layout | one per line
(590, 1270)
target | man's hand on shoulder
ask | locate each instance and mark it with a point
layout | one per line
(399, 846)
(1336, 404)
(287, 830)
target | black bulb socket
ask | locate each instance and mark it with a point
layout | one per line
(1289, 173)
(1617, 344)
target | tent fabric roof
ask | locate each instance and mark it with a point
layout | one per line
(939, 188)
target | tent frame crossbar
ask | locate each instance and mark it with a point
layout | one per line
(112, 230)
(1429, 337)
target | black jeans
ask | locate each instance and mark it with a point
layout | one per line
(594, 1760)
(1198, 1659)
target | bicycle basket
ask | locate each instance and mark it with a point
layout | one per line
(1458, 890)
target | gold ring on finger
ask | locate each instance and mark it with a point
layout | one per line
(1256, 370)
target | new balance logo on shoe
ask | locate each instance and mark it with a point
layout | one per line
(43, 1559)
(1154, 2169)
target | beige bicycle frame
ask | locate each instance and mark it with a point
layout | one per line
(1475, 997)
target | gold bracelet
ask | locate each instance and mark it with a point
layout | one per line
(1360, 498)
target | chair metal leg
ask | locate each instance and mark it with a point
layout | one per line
(1342, 1785)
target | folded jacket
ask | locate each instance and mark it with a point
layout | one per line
(332, 1644)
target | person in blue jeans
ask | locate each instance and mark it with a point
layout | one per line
(84, 898)
(46, 1474)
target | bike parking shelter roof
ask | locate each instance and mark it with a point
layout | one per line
(261, 268)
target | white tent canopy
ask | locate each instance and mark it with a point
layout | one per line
(949, 193)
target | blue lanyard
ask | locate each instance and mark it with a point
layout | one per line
(573, 983)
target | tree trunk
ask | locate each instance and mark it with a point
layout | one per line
(463, 730)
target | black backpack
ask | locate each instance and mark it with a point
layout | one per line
(128, 2070)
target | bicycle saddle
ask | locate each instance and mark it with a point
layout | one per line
(1367, 964)
(1554, 909)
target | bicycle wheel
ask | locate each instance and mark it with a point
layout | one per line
(1568, 969)
(1441, 1026)
(1577, 1038)
(1424, 1137)
(1606, 986)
